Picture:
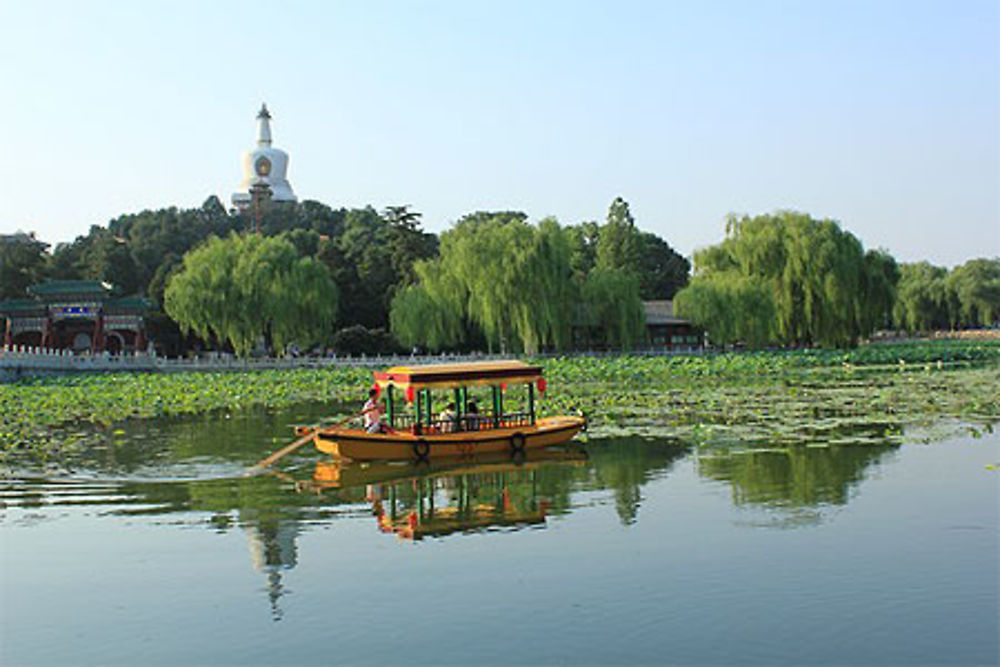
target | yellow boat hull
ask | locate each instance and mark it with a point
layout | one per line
(357, 445)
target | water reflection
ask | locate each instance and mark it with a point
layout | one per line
(797, 480)
(272, 550)
(201, 483)
(462, 495)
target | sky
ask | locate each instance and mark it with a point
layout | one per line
(883, 116)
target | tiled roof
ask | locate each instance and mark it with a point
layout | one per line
(67, 287)
(661, 312)
(21, 306)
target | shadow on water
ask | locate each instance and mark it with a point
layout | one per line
(190, 471)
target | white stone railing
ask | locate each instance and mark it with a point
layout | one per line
(20, 360)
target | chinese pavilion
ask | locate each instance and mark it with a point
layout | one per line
(77, 315)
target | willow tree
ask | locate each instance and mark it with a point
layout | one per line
(429, 313)
(816, 273)
(244, 289)
(731, 308)
(509, 279)
(612, 305)
(922, 297)
(974, 288)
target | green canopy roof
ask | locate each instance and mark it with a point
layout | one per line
(52, 288)
(21, 306)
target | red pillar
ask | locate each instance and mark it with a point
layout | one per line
(97, 345)
(8, 338)
(140, 339)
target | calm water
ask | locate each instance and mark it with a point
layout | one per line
(155, 549)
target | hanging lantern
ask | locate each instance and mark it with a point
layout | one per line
(409, 394)
(503, 386)
(542, 385)
(377, 389)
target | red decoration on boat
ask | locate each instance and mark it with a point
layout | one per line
(409, 394)
(542, 385)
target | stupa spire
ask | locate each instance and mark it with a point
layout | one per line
(263, 126)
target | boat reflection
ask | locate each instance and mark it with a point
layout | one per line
(446, 496)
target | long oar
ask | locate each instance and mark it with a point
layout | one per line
(288, 449)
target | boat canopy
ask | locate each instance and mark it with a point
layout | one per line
(452, 376)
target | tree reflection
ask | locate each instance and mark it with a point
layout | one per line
(793, 477)
(626, 464)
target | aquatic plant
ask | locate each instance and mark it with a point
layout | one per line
(787, 396)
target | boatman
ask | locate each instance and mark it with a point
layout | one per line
(372, 413)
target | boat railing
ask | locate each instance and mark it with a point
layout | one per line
(481, 422)
(513, 419)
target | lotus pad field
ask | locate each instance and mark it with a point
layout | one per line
(809, 396)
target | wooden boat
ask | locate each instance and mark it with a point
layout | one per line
(411, 430)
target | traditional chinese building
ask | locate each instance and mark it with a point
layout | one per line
(667, 331)
(77, 315)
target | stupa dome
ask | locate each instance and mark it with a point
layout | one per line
(264, 165)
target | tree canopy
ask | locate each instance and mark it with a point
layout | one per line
(510, 279)
(526, 287)
(931, 297)
(244, 289)
(807, 278)
(23, 262)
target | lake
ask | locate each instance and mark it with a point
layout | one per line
(156, 549)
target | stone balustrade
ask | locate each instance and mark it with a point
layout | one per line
(20, 361)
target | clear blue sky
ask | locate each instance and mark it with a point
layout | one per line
(884, 116)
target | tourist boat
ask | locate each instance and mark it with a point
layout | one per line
(412, 431)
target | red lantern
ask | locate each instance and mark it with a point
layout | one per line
(503, 386)
(409, 394)
(377, 389)
(542, 385)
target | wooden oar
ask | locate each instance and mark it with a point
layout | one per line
(288, 449)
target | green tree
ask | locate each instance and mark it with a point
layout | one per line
(583, 242)
(662, 271)
(371, 257)
(976, 289)
(108, 259)
(879, 290)
(23, 262)
(618, 243)
(731, 308)
(816, 274)
(613, 307)
(921, 297)
(509, 279)
(244, 289)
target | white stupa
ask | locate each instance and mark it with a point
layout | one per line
(264, 165)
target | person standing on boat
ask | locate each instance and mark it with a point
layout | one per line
(372, 413)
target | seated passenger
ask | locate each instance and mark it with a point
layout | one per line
(447, 419)
(472, 418)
